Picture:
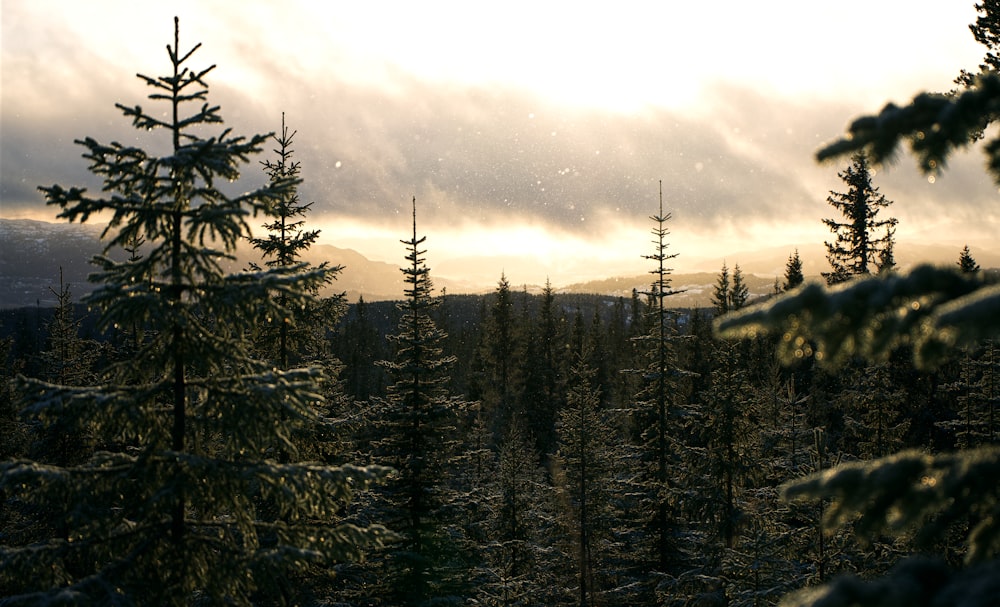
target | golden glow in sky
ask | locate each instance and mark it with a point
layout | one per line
(533, 134)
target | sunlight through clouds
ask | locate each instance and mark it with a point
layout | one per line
(539, 129)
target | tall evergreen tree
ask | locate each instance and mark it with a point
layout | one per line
(520, 550)
(292, 337)
(660, 390)
(857, 248)
(543, 405)
(498, 350)
(67, 360)
(793, 272)
(740, 292)
(585, 462)
(731, 292)
(168, 518)
(725, 449)
(966, 263)
(721, 296)
(416, 437)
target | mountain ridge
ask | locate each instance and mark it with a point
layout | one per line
(32, 252)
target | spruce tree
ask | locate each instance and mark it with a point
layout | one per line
(416, 430)
(543, 404)
(740, 292)
(519, 550)
(726, 438)
(498, 352)
(67, 360)
(655, 410)
(934, 310)
(167, 517)
(857, 248)
(966, 263)
(793, 272)
(584, 459)
(887, 255)
(721, 296)
(292, 338)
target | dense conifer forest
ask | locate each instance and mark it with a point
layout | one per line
(189, 435)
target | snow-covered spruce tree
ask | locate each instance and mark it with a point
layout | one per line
(416, 436)
(68, 360)
(584, 462)
(857, 249)
(521, 567)
(725, 453)
(168, 518)
(935, 310)
(299, 336)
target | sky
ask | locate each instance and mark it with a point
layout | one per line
(534, 135)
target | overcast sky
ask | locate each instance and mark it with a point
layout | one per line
(533, 134)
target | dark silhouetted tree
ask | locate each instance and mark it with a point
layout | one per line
(740, 292)
(293, 337)
(857, 249)
(721, 296)
(966, 263)
(793, 272)
(655, 406)
(416, 429)
(168, 517)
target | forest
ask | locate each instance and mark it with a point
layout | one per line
(189, 435)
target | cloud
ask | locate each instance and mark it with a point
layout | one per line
(737, 168)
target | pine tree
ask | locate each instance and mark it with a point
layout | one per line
(543, 404)
(584, 459)
(722, 296)
(416, 428)
(660, 390)
(292, 337)
(499, 351)
(874, 417)
(730, 293)
(725, 438)
(68, 360)
(887, 256)
(740, 292)
(934, 310)
(520, 549)
(793, 272)
(966, 263)
(168, 517)
(856, 248)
